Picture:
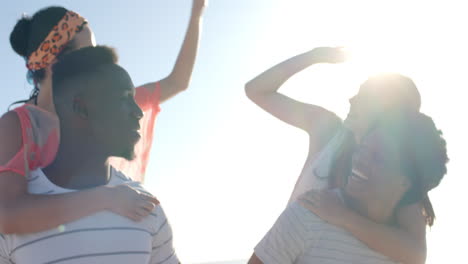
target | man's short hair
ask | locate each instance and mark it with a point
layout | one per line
(79, 64)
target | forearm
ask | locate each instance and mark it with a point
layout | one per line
(391, 242)
(179, 78)
(30, 213)
(254, 260)
(272, 79)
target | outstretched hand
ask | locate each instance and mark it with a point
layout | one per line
(329, 54)
(198, 6)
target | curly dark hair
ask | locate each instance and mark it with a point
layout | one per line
(423, 153)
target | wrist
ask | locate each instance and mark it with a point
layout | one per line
(197, 12)
(103, 196)
(350, 219)
(313, 57)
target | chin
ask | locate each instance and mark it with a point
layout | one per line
(128, 154)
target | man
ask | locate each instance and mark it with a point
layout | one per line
(398, 162)
(98, 119)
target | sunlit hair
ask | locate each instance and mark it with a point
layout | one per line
(420, 144)
(423, 154)
(398, 91)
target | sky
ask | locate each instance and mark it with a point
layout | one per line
(224, 169)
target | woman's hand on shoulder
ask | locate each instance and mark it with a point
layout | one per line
(325, 204)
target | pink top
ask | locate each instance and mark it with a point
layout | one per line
(148, 101)
(41, 136)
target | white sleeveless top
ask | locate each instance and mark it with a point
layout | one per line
(316, 171)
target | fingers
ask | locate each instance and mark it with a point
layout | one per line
(138, 214)
(310, 195)
(149, 198)
(306, 204)
(134, 217)
(148, 206)
(142, 212)
(310, 200)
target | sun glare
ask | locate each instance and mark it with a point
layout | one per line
(365, 61)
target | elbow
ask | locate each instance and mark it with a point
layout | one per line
(256, 92)
(176, 83)
(421, 256)
(179, 86)
(250, 90)
(182, 85)
(418, 256)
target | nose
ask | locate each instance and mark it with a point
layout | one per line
(136, 111)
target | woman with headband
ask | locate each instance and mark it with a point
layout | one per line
(29, 134)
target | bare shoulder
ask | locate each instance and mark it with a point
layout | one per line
(10, 136)
(11, 184)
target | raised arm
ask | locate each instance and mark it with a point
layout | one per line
(404, 243)
(263, 91)
(18, 207)
(179, 78)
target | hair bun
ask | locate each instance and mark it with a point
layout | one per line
(19, 37)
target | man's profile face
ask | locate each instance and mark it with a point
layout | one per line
(113, 113)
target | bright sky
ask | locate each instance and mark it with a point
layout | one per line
(224, 169)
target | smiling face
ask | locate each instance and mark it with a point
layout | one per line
(377, 178)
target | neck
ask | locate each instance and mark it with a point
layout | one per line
(379, 212)
(78, 164)
(358, 136)
(45, 98)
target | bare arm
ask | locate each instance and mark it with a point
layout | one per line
(405, 243)
(263, 90)
(18, 207)
(179, 78)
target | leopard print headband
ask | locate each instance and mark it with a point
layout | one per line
(57, 39)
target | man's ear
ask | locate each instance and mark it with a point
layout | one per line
(79, 107)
